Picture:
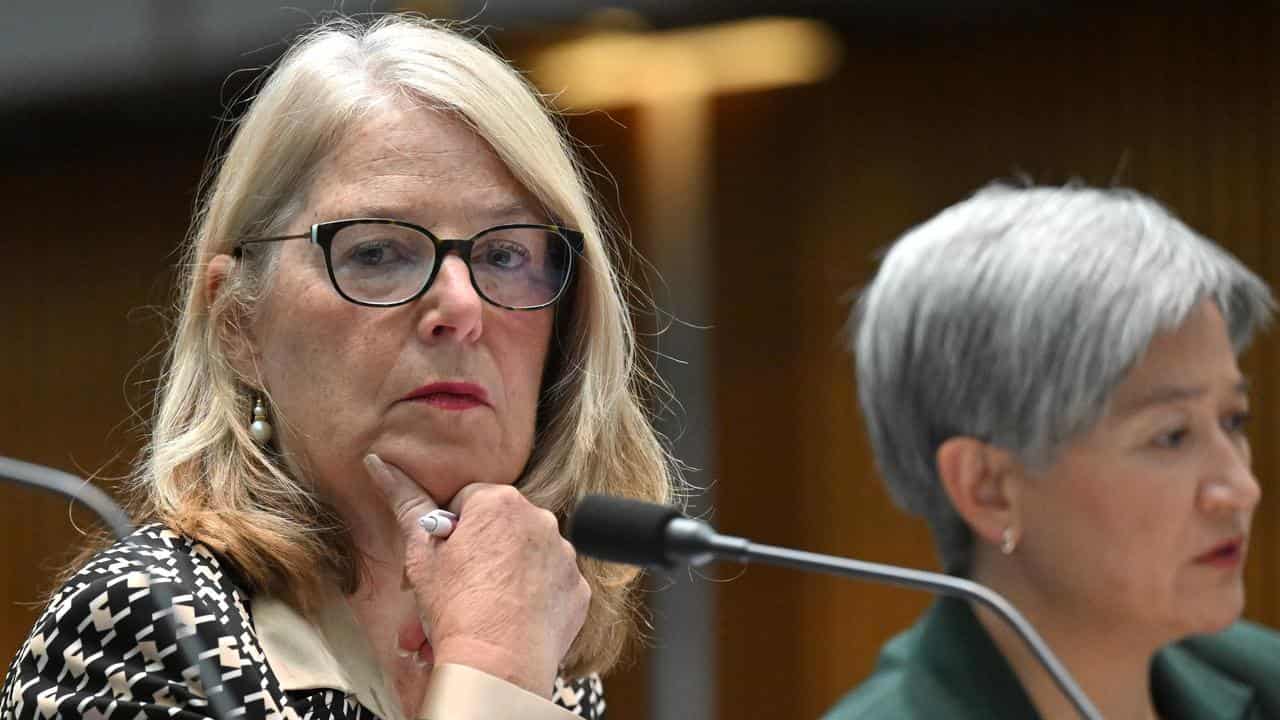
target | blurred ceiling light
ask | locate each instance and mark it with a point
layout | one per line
(611, 68)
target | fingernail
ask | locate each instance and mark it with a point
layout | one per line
(378, 472)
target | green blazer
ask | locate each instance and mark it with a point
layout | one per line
(946, 666)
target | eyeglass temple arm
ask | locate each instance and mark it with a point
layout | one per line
(273, 238)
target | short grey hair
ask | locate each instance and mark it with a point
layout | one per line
(1012, 316)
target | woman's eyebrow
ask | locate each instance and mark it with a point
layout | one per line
(499, 212)
(388, 212)
(1164, 394)
(510, 210)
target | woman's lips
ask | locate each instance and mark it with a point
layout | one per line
(1228, 554)
(451, 395)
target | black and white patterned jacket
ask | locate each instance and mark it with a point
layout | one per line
(117, 639)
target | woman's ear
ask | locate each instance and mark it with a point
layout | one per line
(215, 276)
(237, 345)
(980, 480)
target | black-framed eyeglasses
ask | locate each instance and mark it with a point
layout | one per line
(382, 263)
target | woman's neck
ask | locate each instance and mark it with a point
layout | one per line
(1111, 666)
(382, 606)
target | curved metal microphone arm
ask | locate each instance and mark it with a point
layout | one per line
(695, 542)
(68, 485)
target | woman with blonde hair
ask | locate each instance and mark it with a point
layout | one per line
(396, 297)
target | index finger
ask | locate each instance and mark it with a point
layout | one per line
(407, 499)
(464, 495)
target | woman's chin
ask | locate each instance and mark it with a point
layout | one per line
(443, 471)
(1217, 618)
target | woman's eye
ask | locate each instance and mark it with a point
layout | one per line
(1233, 424)
(1236, 422)
(1172, 439)
(373, 253)
(368, 255)
(505, 255)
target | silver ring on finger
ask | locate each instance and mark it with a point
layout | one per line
(438, 523)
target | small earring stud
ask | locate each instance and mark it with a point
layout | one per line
(1008, 541)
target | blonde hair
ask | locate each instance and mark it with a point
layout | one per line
(203, 474)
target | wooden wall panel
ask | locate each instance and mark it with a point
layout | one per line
(86, 254)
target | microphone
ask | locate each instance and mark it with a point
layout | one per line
(640, 533)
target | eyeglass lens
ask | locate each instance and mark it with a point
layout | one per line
(384, 264)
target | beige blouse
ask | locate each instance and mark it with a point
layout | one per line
(305, 656)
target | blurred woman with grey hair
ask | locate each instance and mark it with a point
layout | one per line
(1049, 377)
(397, 297)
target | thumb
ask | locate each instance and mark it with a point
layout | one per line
(407, 500)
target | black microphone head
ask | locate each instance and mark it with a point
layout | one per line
(621, 530)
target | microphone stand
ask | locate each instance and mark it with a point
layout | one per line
(191, 648)
(696, 542)
(70, 486)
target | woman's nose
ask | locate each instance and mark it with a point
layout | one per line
(453, 307)
(1232, 486)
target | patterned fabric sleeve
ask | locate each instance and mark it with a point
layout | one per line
(584, 696)
(119, 638)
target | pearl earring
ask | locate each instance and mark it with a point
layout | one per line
(1008, 541)
(260, 429)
